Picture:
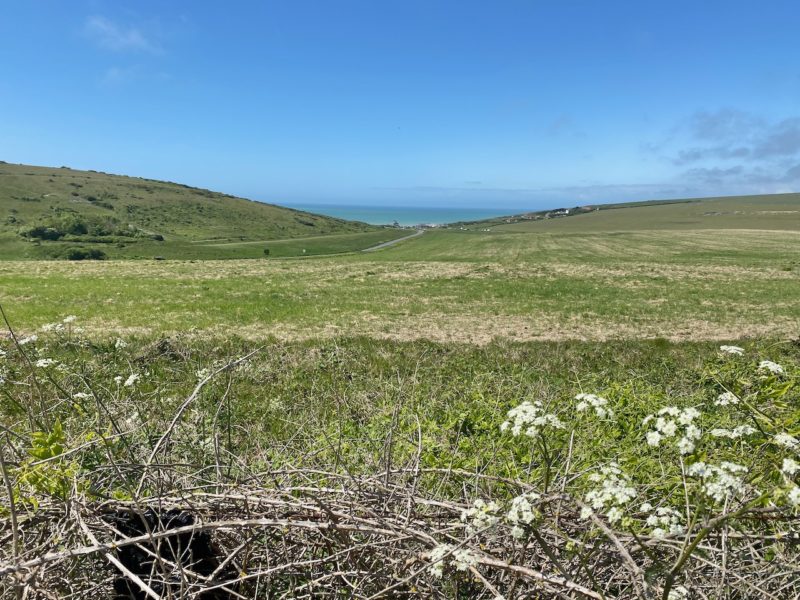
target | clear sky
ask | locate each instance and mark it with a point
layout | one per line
(419, 102)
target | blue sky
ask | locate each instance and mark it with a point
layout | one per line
(444, 103)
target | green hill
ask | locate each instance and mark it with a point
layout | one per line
(61, 212)
(766, 212)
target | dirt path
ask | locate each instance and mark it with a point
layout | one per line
(393, 242)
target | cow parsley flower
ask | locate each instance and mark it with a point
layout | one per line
(81, 396)
(43, 363)
(614, 493)
(598, 403)
(790, 466)
(787, 441)
(437, 559)
(28, 340)
(463, 559)
(48, 327)
(481, 516)
(794, 496)
(732, 350)
(768, 365)
(679, 592)
(132, 379)
(666, 424)
(719, 482)
(665, 521)
(530, 417)
(119, 344)
(69, 319)
(726, 398)
(522, 513)
(734, 433)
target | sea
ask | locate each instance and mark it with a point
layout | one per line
(404, 215)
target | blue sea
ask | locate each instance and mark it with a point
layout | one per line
(404, 215)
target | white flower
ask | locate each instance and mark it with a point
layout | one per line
(794, 496)
(666, 424)
(43, 363)
(80, 396)
(734, 433)
(678, 593)
(768, 365)
(531, 417)
(665, 521)
(119, 344)
(596, 402)
(48, 327)
(726, 398)
(70, 318)
(790, 467)
(481, 516)
(685, 446)
(586, 512)
(133, 378)
(202, 374)
(118, 379)
(719, 482)
(437, 559)
(463, 559)
(2, 353)
(646, 507)
(615, 492)
(653, 438)
(731, 350)
(522, 512)
(28, 340)
(787, 441)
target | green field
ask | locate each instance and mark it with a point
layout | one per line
(443, 286)
(775, 212)
(366, 421)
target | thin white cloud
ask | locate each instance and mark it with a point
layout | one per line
(119, 38)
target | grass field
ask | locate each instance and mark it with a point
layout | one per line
(338, 420)
(775, 212)
(445, 286)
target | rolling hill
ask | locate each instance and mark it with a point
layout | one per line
(55, 212)
(765, 212)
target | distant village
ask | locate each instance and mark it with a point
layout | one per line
(556, 213)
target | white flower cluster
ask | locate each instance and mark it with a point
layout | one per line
(769, 366)
(614, 493)
(787, 441)
(530, 417)
(119, 344)
(48, 327)
(202, 374)
(667, 422)
(790, 466)
(664, 521)
(462, 559)
(721, 481)
(736, 432)
(81, 396)
(726, 398)
(2, 353)
(28, 340)
(43, 363)
(732, 350)
(522, 513)
(481, 516)
(794, 496)
(679, 592)
(596, 402)
(130, 381)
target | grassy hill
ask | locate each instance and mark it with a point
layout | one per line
(52, 212)
(769, 212)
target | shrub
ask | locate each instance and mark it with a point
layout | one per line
(85, 254)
